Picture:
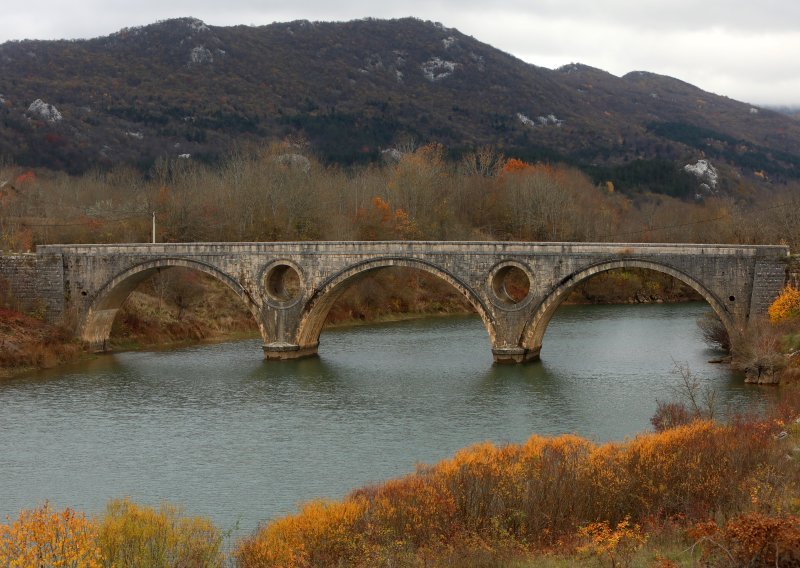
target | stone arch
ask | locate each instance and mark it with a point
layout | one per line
(95, 326)
(319, 304)
(537, 325)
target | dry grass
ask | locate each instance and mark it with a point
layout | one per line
(27, 342)
(185, 306)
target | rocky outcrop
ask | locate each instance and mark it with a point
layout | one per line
(763, 375)
(44, 111)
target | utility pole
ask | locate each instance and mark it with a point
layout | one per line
(154, 227)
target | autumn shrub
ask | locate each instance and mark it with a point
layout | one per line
(616, 544)
(694, 470)
(754, 540)
(532, 491)
(547, 488)
(535, 495)
(411, 511)
(321, 534)
(671, 414)
(42, 537)
(786, 306)
(688, 471)
(138, 536)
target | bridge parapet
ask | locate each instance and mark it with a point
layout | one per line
(93, 280)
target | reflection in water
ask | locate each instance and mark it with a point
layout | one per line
(230, 436)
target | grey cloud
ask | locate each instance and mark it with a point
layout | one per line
(766, 15)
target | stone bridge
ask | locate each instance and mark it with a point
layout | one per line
(290, 287)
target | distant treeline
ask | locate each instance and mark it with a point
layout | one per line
(280, 193)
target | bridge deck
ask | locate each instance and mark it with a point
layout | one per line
(473, 247)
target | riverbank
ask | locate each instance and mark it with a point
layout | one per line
(27, 343)
(694, 493)
(700, 493)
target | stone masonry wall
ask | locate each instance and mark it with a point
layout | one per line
(33, 284)
(50, 280)
(20, 286)
(767, 284)
(794, 271)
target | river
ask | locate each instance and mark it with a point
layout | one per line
(227, 435)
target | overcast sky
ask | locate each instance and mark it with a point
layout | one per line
(747, 50)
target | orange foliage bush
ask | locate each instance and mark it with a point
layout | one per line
(753, 539)
(618, 544)
(381, 223)
(321, 534)
(758, 540)
(128, 536)
(694, 470)
(43, 537)
(534, 494)
(411, 509)
(514, 165)
(786, 306)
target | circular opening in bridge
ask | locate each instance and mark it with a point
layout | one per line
(732, 298)
(511, 284)
(283, 283)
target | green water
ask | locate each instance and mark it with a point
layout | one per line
(229, 436)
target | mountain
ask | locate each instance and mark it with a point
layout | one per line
(353, 89)
(792, 111)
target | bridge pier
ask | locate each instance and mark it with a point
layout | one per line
(512, 355)
(281, 351)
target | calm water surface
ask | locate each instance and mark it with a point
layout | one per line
(229, 436)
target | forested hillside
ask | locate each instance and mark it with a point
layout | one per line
(357, 91)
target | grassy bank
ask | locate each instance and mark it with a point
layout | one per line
(27, 343)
